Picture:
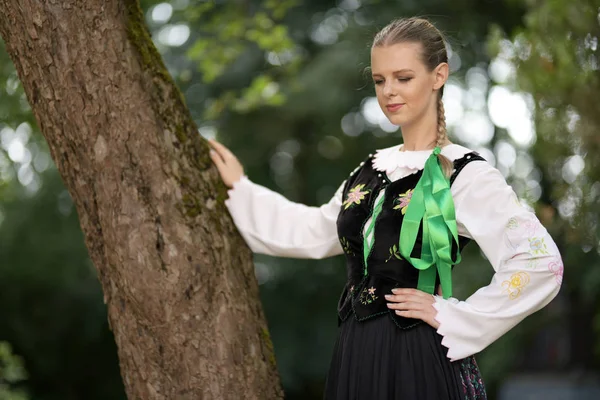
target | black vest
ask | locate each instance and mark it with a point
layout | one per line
(386, 269)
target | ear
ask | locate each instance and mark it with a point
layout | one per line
(440, 74)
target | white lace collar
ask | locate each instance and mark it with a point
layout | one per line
(392, 158)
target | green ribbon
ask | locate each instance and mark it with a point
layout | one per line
(432, 206)
(366, 246)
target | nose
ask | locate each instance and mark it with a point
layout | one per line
(388, 89)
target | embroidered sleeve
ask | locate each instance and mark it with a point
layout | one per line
(274, 225)
(528, 266)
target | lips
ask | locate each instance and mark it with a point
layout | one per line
(394, 107)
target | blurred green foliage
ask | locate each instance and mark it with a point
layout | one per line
(11, 373)
(228, 31)
(282, 84)
(51, 301)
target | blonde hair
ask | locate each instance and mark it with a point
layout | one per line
(420, 30)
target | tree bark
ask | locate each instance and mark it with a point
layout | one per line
(178, 280)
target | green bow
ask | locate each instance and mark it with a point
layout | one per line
(432, 205)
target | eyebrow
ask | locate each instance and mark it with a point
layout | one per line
(398, 72)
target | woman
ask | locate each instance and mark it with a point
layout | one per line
(401, 219)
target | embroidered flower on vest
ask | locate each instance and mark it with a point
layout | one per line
(346, 246)
(355, 196)
(403, 200)
(367, 296)
(394, 252)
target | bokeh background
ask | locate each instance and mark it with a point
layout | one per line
(283, 84)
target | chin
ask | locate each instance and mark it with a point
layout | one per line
(396, 119)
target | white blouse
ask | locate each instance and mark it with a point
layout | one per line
(527, 264)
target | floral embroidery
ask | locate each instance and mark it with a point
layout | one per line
(403, 201)
(367, 296)
(473, 387)
(355, 196)
(557, 268)
(346, 246)
(538, 246)
(531, 226)
(516, 284)
(533, 263)
(527, 228)
(512, 223)
(394, 252)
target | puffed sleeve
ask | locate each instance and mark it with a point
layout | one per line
(527, 263)
(274, 225)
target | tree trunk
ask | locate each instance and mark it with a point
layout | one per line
(178, 280)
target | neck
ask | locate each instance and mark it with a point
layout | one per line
(420, 135)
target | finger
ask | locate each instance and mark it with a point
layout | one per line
(407, 291)
(218, 147)
(409, 314)
(216, 157)
(223, 151)
(397, 298)
(419, 315)
(411, 292)
(406, 306)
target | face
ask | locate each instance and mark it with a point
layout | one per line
(406, 90)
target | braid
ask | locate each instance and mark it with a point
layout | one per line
(442, 134)
(442, 138)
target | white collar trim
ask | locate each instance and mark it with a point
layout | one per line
(392, 158)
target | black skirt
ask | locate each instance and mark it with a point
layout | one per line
(376, 360)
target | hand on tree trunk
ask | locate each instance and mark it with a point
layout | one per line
(230, 169)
